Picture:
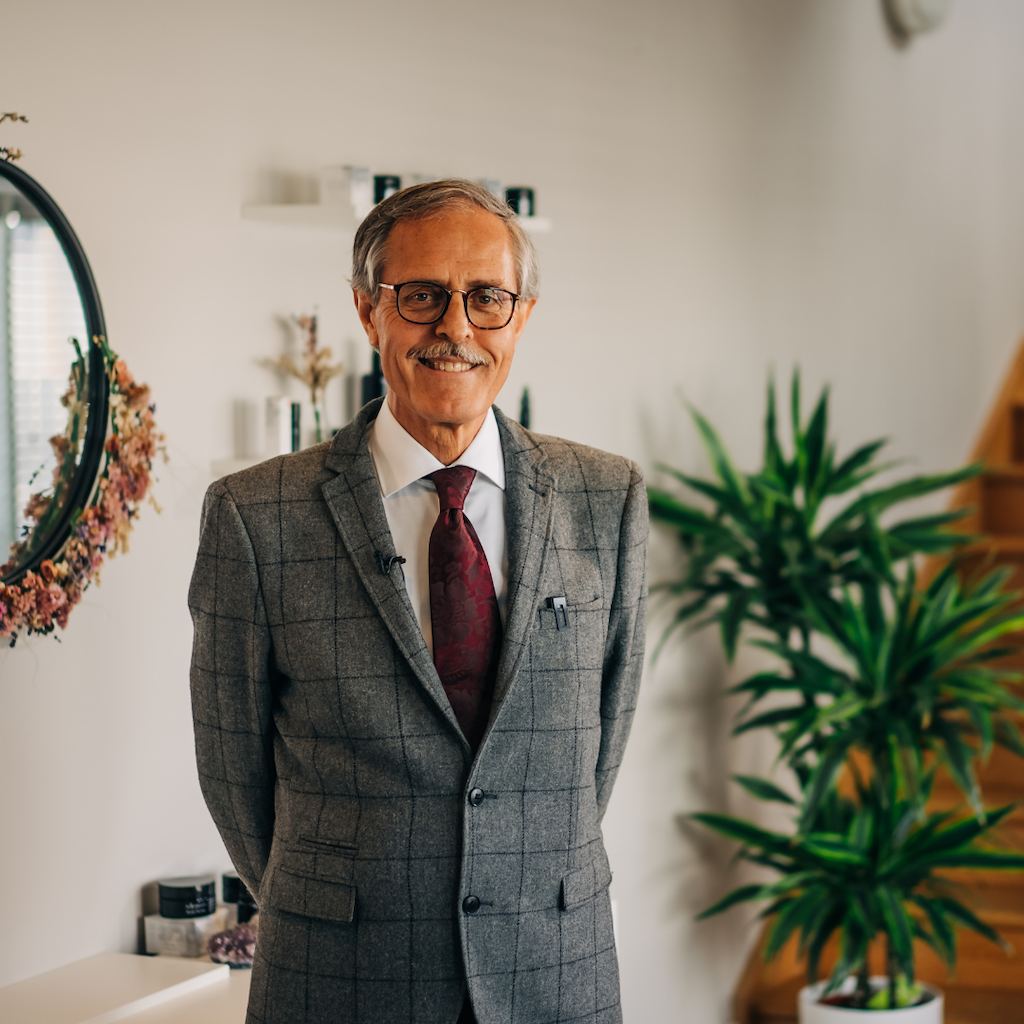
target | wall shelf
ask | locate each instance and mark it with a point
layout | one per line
(340, 217)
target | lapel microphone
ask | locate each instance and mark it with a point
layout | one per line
(387, 563)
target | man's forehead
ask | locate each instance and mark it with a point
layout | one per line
(463, 240)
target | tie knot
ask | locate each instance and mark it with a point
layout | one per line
(453, 485)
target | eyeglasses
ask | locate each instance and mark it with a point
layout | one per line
(420, 302)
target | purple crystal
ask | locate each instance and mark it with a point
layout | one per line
(236, 946)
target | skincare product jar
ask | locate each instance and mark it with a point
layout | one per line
(191, 896)
(188, 916)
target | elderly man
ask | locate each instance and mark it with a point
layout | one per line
(417, 652)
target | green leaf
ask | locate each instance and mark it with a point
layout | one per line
(958, 759)
(814, 444)
(830, 919)
(734, 613)
(777, 716)
(898, 927)
(794, 412)
(720, 461)
(914, 487)
(773, 459)
(740, 895)
(848, 473)
(763, 789)
(791, 915)
(956, 910)
(1008, 735)
(943, 936)
(832, 849)
(928, 842)
(744, 832)
(821, 780)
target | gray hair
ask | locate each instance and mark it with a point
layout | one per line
(369, 251)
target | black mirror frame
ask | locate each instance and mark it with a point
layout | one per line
(99, 386)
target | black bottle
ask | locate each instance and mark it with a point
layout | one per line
(373, 382)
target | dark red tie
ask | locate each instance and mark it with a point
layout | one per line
(464, 612)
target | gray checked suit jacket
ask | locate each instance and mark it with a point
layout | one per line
(394, 872)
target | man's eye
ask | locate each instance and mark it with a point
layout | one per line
(489, 297)
(421, 296)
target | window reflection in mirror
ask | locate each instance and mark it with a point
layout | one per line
(40, 311)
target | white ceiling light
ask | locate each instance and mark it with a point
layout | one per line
(912, 17)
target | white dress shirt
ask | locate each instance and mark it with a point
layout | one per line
(412, 507)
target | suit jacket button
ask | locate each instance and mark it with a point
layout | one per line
(471, 904)
(476, 797)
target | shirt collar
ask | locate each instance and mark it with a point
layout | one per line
(400, 459)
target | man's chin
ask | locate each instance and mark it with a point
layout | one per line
(448, 413)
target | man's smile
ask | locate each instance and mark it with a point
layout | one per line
(449, 357)
(447, 365)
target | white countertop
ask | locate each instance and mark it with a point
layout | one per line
(112, 986)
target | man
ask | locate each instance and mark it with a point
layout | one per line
(417, 650)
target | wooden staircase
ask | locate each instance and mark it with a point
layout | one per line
(988, 987)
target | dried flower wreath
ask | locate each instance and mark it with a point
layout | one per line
(41, 601)
(9, 152)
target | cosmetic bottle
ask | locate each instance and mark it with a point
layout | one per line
(373, 382)
(385, 186)
(238, 901)
(521, 200)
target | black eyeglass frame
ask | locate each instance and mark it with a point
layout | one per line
(450, 292)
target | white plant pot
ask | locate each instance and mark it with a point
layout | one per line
(813, 1012)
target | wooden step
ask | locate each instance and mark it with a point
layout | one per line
(966, 1005)
(993, 893)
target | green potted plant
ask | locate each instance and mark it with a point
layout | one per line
(885, 682)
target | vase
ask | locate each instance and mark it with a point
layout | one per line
(813, 1012)
(319, 422)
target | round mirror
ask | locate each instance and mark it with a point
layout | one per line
(53, 385)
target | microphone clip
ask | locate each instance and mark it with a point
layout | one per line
(386, 563)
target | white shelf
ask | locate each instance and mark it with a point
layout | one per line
(340, 217)
(105, 988)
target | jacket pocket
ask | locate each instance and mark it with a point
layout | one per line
(325, 898)
(547, 616)
(318, 859)
(586, 883)
(334, 845)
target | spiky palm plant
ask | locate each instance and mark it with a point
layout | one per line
(761, 547)
(904, 683)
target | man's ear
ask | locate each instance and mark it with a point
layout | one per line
(523, 311)
(367, 315)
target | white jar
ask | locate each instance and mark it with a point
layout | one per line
(813, 1012)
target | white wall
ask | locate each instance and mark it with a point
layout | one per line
(735, 184)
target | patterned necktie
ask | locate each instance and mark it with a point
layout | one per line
(464, 612)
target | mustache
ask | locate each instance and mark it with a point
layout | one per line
(451, 350)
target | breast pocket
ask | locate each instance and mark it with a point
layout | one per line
(560, 613)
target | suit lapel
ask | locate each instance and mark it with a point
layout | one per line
(353, 497)
(529, 500)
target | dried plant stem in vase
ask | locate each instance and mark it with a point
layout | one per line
(316, 369)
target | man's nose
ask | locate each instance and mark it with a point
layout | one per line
(455, 323)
